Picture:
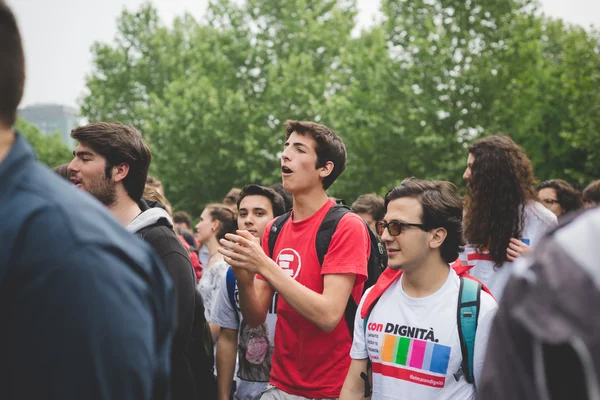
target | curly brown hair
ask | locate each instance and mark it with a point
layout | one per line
(501, 183)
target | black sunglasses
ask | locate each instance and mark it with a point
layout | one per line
(394, 227)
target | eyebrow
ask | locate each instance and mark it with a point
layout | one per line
(82, 153)
(296, 144)
(254, 209)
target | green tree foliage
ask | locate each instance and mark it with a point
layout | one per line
(407, 94)
(50, 149)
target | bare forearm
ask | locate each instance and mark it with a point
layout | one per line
(251, 305)
(317, 308)
(354, 384)
(226, 354)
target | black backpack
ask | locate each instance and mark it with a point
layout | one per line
(377, 257)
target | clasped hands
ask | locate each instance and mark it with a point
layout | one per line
(245, 255)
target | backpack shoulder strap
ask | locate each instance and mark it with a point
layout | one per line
(275, 230)
(327, 229)
(469, 297)
(230, 282)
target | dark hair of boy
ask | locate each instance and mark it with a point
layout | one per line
(118, 144)
(328, 146)
(276, 200)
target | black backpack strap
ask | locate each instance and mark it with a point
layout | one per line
(327, 229)
(275, 230)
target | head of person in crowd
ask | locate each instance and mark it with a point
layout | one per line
(422, 224)
(257, 206)
(62, 170)
(287, 196)
(215, 222)
(313, 157)
(155, 183)
(369, 207)
(499, 182)
(183, 221)
(231, 199)
(110, 162)
(559, 196)
(12, 72)
(591, 195)
(152, 195)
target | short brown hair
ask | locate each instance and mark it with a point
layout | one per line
(119, 143)
(329, 146)
(12, 67)
(442, 208)
(591, 194)
(370, 204)
(232, 197)
(181, 217)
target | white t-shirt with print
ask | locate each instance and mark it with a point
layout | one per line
(537, 221)
(414, 346)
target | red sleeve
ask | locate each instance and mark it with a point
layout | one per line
(349, 249)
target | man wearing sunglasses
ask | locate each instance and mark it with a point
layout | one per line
(409, 341)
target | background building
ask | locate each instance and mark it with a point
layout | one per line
(51, 118)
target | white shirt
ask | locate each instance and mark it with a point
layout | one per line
(537, 221)
(414, 346)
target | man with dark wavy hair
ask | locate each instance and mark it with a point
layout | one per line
(502, 215)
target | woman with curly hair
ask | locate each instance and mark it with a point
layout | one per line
(559, 196)
(502, 216)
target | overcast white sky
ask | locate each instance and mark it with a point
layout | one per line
(58, 34)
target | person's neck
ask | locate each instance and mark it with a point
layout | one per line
(125, 210)
(212, 245)
(306, 204)
(7, 138)
(425, 279)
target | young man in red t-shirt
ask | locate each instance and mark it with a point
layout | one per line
(312, 340)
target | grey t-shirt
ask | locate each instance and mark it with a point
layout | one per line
(255, 345)
(209, 285)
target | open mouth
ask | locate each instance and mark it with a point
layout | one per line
(286, 170)
(76, 182)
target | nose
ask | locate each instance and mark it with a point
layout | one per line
(72, 167)
(248, 221)
(385, 236)
(284, 154)
(467, 174)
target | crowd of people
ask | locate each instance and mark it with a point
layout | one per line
(281, 291)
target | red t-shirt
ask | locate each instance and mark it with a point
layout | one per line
(307, 361)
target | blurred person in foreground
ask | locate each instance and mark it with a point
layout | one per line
(544, 342)
(86, 307)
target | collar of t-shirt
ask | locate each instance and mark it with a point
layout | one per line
(439, 294)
